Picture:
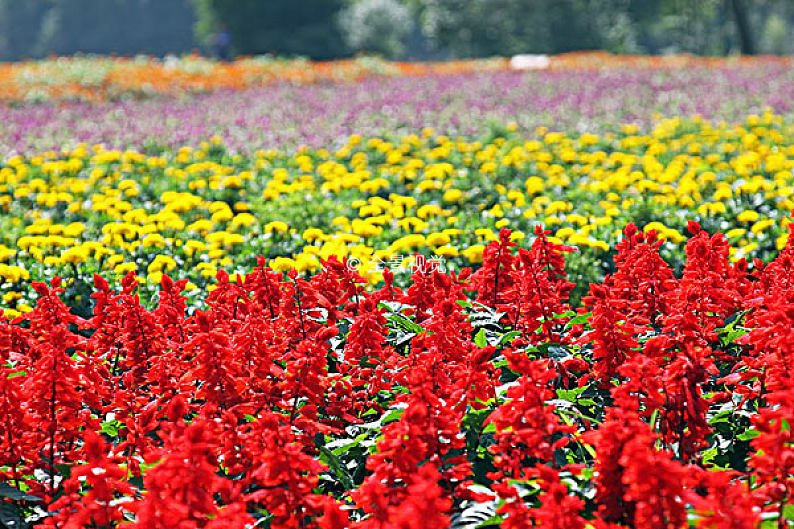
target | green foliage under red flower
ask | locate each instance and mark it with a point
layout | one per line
(468, 400)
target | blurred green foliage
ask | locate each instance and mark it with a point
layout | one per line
(397, 29)
(37, 28)
(284, 27)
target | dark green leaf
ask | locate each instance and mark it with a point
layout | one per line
(12, 493)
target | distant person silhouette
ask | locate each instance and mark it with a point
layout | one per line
(222, 44)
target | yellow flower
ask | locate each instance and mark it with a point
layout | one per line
(474, 253)
(125, 268)
(486, 234)
(243, 219)
(365, 229)
(306, 263)
(161, 262)
(747, 215)
(446, 251)
(154, 240)
(453, 195)
(194, 246)
(276, 226)
(75, 255)
(312, 234)
(12, 297)
(282, 264)
(437, 239)
(14, 273)
(200, 226)
(222, 215)
(75, 229)
(760, 226)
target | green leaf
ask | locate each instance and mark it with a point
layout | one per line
(403, 322)
(508, 338)
(748, 435)
(479, 339)
(12, 493)
(710, 454)
(579, 319)
(337, 468)
(110, 428)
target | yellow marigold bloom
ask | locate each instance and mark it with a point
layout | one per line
(437, 239)
(369, 210)
(282, 264)
(306, 263)
(761, 226)
(125, 268)
(501, 223)
(75, 229)
(657, 226)
(222, 215)
(446, 251)
(154, 240)
(232, 181)
(474, 253)
(486, 234)
(207, 270)
(428, 210)
(497, 211)
(534, 185)
(6, 253)
(243, 219)
(408, 242)
(13, 274)
(312, 234)
(201, 226)
(674, 235)
(75, 255)
(600, 245)
(747, 215)
(564, 233)
(161, 262)
(11, 297)
(723, 192)
(452, 195)
(194, 246)
(365, 229)
(232, 239)
(276, 226)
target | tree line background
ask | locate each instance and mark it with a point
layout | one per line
(397, 29)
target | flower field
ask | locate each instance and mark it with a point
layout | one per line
(557, 299)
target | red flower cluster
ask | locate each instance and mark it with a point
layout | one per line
(294, 402)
